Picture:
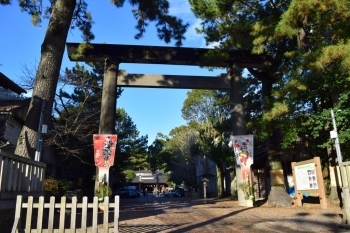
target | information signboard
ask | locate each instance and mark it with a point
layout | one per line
(308, 178)
(305, 176)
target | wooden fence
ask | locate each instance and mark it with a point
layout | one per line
(20, 176)
(345, 185)
(51, 217)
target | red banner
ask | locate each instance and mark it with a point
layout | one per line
(104, 149)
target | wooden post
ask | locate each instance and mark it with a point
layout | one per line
(321, 188)
(346, 198)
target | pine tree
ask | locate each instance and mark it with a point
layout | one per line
(66, 14)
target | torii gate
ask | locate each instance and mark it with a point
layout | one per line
(114, 54)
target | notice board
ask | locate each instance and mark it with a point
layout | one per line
(308, 178)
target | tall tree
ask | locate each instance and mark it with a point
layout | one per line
(132, 149)
(66, 14)
(182, 164)
(309, 43)
(210, 112)
(322, 33)
(158, 155)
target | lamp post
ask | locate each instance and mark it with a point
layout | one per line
(204, 180)
(334, 134)
(157, 177)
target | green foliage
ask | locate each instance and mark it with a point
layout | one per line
(131, 148)
(103, 190)
(247, 188)
(160, 157)
(129, 175)
(309, 41)
(182, 160)
(56, 187)
(5, 2)
(64, 15)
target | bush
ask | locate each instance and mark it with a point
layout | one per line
(56, 187)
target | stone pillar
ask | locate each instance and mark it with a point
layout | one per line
(234, 74)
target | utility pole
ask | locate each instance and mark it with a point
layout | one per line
(334, 134)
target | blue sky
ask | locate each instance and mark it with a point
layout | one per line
(152, 110)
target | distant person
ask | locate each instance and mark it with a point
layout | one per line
(146, 192)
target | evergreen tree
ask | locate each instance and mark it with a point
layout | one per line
(66, 14)
(309, 43)
(209, 112)
(159, 157)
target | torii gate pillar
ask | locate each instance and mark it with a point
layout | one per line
(109, 97)
(238, 123)
(108, 104)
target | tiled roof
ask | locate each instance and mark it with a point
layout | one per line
(7, 83)
(10, 105)
(149, 178)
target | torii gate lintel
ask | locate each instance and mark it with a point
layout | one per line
(114, 54)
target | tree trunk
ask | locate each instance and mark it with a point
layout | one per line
(52, 50)
(221, 175)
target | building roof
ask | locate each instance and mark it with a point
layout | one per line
(7, 83)
(10, 105)
(147, 177)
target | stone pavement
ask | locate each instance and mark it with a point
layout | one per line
(172, 215)
(224, 215)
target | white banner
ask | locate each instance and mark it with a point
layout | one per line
(243, 147)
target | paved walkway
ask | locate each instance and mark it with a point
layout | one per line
(224, 215)
(194, 215)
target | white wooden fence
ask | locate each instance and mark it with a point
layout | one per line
(51, 217)
(345, 181)
(20, 176)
